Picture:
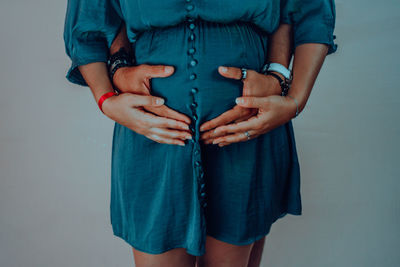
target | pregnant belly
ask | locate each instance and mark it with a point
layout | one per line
(196, 88)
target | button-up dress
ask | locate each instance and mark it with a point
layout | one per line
(167, 196)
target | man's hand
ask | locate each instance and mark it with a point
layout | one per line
(136, 80)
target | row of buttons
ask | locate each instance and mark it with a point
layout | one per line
(193, 76)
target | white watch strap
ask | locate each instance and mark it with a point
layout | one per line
(279, 68)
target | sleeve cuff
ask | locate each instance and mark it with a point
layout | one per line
(315, 33)
(92, 52)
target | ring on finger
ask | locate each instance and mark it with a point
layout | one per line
(244, 74)
(247, 134)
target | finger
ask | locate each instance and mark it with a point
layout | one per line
(210, 135)
(235, 72)
(151, 71)
(250, 124)
(241, 114)
(145, 100)
(235, 138)
(252, 113)
(172, 134)
(167, 112)
(230, 72)
(164, 140)
(222, 119)
(252, 102)
(223, 144)
(161, 122)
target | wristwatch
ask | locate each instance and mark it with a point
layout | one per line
(118, 60)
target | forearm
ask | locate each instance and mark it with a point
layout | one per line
(96, 76)
(121, 40)
(280, 45)
(307, 62)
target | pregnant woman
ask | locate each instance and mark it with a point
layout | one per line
(199, 177)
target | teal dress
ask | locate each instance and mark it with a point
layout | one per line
(168, 196)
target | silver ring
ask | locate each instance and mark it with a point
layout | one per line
(244, 74)
(246, 133)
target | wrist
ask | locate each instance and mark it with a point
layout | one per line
(118, 74)
(276, 86)
(294, 106)
(103, 98)
(299, 98)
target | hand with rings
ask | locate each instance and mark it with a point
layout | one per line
(263, 109)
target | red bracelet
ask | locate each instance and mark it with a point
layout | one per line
(104, 97)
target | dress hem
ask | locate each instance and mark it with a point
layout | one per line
(223, 239)
(258, 237)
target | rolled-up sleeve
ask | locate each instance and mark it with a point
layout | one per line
(313, 21)
(89, 29)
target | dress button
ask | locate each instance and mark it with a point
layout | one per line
(193, 62)
(189, 19)
(192, 26)
(194, 104)
(205, 204)
(191, 37)
(192, 130)
(189, 7)
(202, 186)
(198, 163)
(192, 76)
(191, 50)
(195, 117)
(194, 90)
(188, 1)
(196, 152)
(203, 194)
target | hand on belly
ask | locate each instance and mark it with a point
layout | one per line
(136, 80)
(257, 85)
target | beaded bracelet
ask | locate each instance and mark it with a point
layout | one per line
(285, 84)
(118, 60)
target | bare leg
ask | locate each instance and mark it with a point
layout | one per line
(221, 254)
(256, 253)
(177, 257)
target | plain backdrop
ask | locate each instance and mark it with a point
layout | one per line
(55, 148)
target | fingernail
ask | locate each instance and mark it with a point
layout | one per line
(224, 69)
(168, 69)
(160, 101)
(188, 137)
(181, 144)
(239, 100)
(201, 128)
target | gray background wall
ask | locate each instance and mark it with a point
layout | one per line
(55, 149)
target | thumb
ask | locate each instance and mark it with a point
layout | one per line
(158, 71)
(146, 100)
(230, 72)
(252, 101)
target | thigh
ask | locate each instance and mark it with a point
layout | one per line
(177, 257)
(256, 253)
(222, 254)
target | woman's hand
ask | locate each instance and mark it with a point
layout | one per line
(273, 111)
(255, 84)
(136, 80)
(128, 109)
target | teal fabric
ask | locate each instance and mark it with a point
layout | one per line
(167, 196)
